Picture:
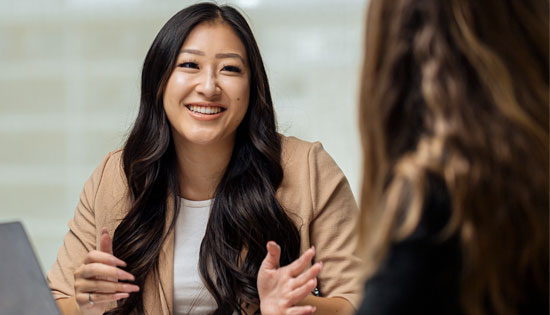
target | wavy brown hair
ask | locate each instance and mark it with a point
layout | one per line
(459, 89)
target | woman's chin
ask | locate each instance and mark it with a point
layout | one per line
(205, 140)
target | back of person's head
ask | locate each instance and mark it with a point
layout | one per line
(459, 89)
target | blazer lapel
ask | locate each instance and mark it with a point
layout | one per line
(166, 264)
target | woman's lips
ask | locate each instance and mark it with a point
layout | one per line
(205, 112)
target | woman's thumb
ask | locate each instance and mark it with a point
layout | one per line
(271, 260)
(106, 244)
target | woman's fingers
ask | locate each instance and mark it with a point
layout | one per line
(97, 279)
(93, 285)
(96, 256)
(299, 310)
(280, 289)
(300, 293)
(309, 274)
(102, 271)
(97, 298)
(300, 264)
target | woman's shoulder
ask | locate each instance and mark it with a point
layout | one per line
(310, 173)
(298, 150)
(291, 146)
(114, 158)
(303, 156)
(110, 171)
(107, 188)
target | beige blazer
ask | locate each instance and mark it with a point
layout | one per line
(314, 193)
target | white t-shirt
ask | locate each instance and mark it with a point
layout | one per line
(190, 294)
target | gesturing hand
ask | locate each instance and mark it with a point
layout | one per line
(96, 280)
(281, 288)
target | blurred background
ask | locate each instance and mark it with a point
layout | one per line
(69, 91)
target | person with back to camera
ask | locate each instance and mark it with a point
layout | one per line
(454, 112)
(209, 208)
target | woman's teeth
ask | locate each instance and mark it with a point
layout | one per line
(209, 110)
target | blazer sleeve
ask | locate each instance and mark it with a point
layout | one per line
(79, 240)
(333, 229)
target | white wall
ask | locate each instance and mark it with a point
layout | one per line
(69, 90)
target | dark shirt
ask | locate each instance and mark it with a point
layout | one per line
(420, 274)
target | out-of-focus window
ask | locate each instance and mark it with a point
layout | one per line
(69, 90)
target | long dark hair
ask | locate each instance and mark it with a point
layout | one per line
(459, 89)
(245, 213)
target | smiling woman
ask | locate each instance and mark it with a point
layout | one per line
(210, 210)
(207, 94)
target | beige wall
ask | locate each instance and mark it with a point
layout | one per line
(69, 90)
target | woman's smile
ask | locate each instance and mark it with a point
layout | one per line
(205, 111)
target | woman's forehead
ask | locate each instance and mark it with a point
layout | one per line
(214, 39)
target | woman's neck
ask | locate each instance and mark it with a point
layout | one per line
(201, 167)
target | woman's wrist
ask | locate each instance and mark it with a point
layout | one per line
(68, 306)
(326, 305)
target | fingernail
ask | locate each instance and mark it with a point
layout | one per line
(104, 231)
(119, 296)
(119, 262)
(125, 275)
(130, 287)
(321, 264)
(116, 262)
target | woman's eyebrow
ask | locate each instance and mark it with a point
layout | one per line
(230, 55)
(219, 56)
(192, 51)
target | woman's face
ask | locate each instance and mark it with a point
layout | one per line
(207, 94)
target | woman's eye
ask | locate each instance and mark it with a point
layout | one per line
(189, 65)
(232, 69)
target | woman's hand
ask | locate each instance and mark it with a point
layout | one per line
(281, 288)
(96, 280)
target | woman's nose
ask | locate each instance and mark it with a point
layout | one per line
(208, 85)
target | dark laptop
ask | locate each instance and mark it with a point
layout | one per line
(23, 288)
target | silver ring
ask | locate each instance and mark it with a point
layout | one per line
(90, 299)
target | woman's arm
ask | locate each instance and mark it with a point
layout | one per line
(328, 208)
(68, 306)
(328, 306)
(81, 273)
(333, 228)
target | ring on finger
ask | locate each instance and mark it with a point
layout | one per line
(90, 299)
